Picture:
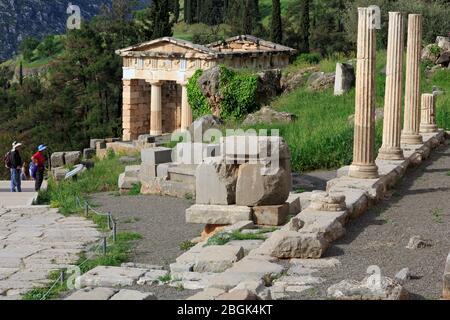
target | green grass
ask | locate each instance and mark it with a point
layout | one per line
(165, 279)
(135, 190)
(116, 254)
(102, 178)
(186, 245)
(223, 238)
(437, 215)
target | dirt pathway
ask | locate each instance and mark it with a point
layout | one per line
(419, 205)
(160, 220)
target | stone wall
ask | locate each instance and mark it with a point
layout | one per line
(136, 108)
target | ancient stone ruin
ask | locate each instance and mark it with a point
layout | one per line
(155, 76)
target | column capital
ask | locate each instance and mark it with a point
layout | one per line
(154, 82)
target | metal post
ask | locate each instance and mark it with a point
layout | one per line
(62, 277)
(114, 230)
(109, 220)
(86, 209)
(104, 246)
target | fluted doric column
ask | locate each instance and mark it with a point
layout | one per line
(186, 111)
(363, 165)
(392, 126)
(410, 134)
(156, 109)
(428, 111)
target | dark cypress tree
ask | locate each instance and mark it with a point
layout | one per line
(188, 14)
(234, 16)
(304, 26)
(175, 8)
(199, 13)
(276, 27)
(160, 19)
(248, 21)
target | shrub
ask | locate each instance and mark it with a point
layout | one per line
(238, 91)
(197, 100)
(308, 58)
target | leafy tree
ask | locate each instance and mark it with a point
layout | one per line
(27, 47)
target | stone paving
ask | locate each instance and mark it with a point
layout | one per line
(34, 241)
(12, 199)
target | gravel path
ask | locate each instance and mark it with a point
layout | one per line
(160, 221)
(418, 206)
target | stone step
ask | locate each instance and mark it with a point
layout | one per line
(164, 187)
(183, 173)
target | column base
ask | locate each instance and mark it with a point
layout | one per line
(428, 128)
(359, 171)
(390, 154)
(411, 138)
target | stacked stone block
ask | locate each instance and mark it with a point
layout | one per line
(136, 108)
(252, 176)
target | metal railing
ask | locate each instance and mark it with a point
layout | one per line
(102, 243)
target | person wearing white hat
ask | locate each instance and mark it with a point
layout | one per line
(15, 167)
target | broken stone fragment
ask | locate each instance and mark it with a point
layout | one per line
(290, 244)
(374, 287)
(446, 289)
(266, 189)
(216, 182)
(323, 201)
(417, 242)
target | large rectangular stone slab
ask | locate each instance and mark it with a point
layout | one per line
(161, 186)
(92, 294)
(103, 276)
(328, 224)
(217, 258)
(244, 147)
(157, 155)
(217, 214)
(271, 215)
(126, 294)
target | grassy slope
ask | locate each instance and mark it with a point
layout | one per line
(322, 137)
(102, 178)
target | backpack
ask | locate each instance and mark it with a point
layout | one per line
(7, 160)
(33, 170)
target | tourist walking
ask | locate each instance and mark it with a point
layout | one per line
(39, 161)
(14, 162)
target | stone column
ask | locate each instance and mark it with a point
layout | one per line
(410, 134)
(156, 109)
(428, 111)
(391, 149)
(363, 165)
(186, 111)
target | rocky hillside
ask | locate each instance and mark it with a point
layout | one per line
(22, 18)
